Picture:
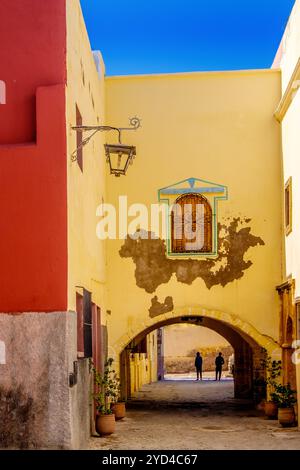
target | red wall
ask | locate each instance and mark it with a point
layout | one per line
(32, 54)
(33, 180)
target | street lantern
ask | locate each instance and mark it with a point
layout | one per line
(118, 156)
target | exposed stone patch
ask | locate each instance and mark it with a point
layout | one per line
(17, 413)
(154, 268)
(158, 308)
(38, 409)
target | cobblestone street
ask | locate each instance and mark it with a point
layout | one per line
(186, 415)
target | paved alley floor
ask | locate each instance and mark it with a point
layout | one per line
(186, 415)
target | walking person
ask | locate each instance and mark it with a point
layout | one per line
(198, 365)
(219, 364)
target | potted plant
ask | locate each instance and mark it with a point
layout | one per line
(117, 406)
(273, 369)
(284, 396)
(105, 419)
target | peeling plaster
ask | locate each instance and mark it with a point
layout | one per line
(17, 418)
(158, 308)
(154, 268)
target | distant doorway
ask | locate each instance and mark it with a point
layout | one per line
(143, 359)
(183, 341)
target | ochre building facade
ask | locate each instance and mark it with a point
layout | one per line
(226, 141)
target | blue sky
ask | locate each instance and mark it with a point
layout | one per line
(161, 36)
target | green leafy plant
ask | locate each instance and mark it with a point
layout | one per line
(107, 386)
(284, 396)
(273, 369)
(115, 387)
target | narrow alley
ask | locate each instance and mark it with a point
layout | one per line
(150, 227)
(186, 415)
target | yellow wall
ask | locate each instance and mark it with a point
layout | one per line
(218, 127)
(143, 367)
(86, 190)
(214, 126)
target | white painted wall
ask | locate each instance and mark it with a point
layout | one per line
(291, 142)
(290, 45)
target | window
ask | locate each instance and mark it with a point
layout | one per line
(84, 324)
(79, 140)
(288, 206)
(87, 324)
(96, 330)
(191, 225)
(2, 92)
(79, 310)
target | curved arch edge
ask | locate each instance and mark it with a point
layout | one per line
(245, 329)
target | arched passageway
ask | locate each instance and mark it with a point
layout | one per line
(248, 370)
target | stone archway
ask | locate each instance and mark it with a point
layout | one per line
(233, 321)
(249, 344)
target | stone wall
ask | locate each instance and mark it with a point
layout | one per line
(38, 409)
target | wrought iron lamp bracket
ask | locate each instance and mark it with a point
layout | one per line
(134, 124)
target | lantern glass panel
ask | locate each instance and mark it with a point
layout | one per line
(119, 157)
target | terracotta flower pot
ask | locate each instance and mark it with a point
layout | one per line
(105, 424)
(271, 410)
(286, 416)
(119, 410)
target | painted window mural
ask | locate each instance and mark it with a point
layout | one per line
(192, 223)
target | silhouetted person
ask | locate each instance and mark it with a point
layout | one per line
(198, 365)
(219, 364)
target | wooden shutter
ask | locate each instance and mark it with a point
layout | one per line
(87, 324)
(179, 245)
